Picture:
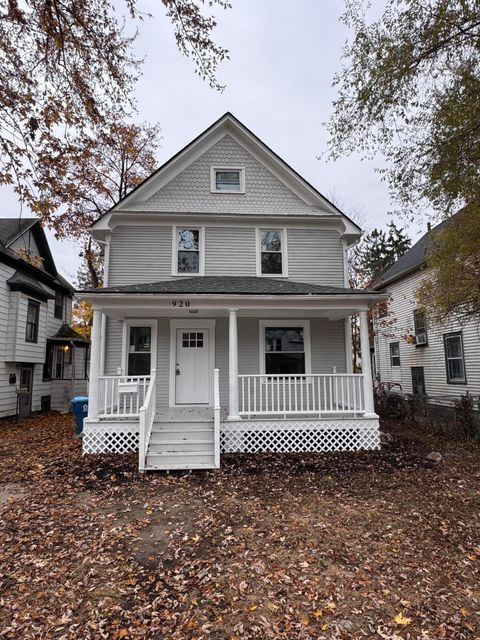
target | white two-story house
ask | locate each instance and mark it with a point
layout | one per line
(439, 361)
(43, 361)
(223, 325)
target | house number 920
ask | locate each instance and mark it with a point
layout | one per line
(181, 303)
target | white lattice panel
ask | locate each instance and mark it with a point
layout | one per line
(296, 436)
(109, 439)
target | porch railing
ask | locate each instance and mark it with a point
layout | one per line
(145, 426)
(122, 396)
(307, 394)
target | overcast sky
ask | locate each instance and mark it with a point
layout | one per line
(283, 56)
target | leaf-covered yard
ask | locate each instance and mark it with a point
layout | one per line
(372, 545)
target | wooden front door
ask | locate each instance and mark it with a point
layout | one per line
(25, 391)
(192, 375)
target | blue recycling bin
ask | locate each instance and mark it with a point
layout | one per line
(80, 411)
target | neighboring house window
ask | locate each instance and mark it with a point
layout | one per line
(189, 252)
(454, 357)
(33, 314)
(58, 360)
(271, 252)
(59, 305)
(139, 351)
(395, 354)
(227, 179)
(420, 322)
(284, 348)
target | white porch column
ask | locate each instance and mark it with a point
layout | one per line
(366, 366)
(232, 366)
(95, 357)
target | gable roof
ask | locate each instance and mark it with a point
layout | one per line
(13, 228)
(412, 260)
(229, 124)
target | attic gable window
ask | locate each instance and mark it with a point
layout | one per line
(227, 179)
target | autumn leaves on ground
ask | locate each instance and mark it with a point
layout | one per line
(369, 545)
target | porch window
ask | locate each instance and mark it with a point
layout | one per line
(58, 362)
(395, 354)
(271, 252)
(188, 251)
(454, 357)
(33, 314)
(139, 351)
(284, 350)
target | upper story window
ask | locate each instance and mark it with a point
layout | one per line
(188, 254)
(395, 354)
(420, 322)
(33, 315)
(271, 252)
(454, 357)
(227, 179)
(59, 305)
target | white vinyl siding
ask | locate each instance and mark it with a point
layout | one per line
(431, 358)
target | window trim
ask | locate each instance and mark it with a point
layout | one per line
(37, 305)
(141, 322)
(445, 336)
(201, 251)
(390, 345)
(305, 324)
(213, 179)
(258, 243)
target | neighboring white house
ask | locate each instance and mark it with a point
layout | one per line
(43, 361)
(224, 322)
(441, 361)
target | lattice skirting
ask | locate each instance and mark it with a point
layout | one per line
(297, 436)
(99, 438)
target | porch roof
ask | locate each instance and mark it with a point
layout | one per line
(233, 285)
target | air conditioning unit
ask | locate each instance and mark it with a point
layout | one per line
(421, 338)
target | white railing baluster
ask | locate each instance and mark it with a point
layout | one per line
(122, 396)
(320, 394)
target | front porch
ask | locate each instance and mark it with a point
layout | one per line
(258, 377)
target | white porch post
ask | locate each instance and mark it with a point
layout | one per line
(232, 366)
(95, 357)
(366, 365)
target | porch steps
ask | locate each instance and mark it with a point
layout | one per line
(181, 445)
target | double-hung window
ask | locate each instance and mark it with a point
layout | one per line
(395, 354)
(284, 348)
(188, 258)
(59, 305)
(454, 357)
(33, 315)
(271, 255)
(139, 351)
(420, 322)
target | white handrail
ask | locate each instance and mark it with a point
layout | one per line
(301, 394)
(216, 416)
(147, 416)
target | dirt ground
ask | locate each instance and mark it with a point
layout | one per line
(306, 546)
